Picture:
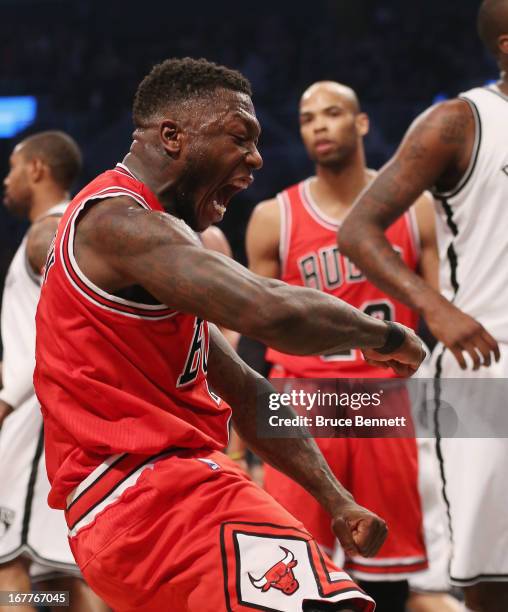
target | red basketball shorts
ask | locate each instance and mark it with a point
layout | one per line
(382, 475)
(189, 531)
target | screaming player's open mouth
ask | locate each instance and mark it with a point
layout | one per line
(222, 196)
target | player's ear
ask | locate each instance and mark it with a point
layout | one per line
(362, 124)
(171, 137)
(502, 44)
(36, 169)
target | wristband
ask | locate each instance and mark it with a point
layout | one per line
(394, 339)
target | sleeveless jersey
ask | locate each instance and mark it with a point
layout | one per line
(19, 303)
(114, 375)
(472, 236)
(309, 256)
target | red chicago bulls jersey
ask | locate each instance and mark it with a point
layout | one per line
(115, 375)
(309, 257)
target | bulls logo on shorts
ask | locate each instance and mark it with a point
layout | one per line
(280, 576)
(270, 567)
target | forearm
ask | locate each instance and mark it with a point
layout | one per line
(299, 457)
(291, 319)
(370, 250)
(318, 323)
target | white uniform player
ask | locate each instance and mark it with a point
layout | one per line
(472, 232)
(28, 526)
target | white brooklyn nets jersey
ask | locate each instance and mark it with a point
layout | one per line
(28, 526)
(19, 303)
(472, 225)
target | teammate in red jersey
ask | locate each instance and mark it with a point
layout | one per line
(293, 237)
(159, 518)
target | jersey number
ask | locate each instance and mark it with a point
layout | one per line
(196, 357)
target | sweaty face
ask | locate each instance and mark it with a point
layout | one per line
(17, 193)
(328, 126)
(220, 157)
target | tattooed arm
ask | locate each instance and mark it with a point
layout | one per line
(358, 530)
(435, 152)
(118, 244)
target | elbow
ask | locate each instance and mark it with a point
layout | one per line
(345, 239)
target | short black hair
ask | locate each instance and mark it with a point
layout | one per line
(176, 80)
(492, 23)
(59, 152)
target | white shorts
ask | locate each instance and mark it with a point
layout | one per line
(435, 523)
(28, 526)
(474, 469)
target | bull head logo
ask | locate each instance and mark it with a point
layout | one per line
(280, 576)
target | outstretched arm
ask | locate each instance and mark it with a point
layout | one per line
(359, 530)
(118, 244)
(435, 152)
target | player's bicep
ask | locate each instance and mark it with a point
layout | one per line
(262, 239)
(38, 242)
(131, 246)
(428, 154)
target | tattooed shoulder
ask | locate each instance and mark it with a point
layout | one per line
(455, 122)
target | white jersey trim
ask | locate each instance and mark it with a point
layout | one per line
(474, 153)
(313, 209)
(109, 192)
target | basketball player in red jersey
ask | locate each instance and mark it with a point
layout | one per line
(159, 518)
(293, 238)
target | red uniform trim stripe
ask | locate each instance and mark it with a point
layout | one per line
(103, 486)
(387, 569)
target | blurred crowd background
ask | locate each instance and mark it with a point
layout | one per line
(82, 60)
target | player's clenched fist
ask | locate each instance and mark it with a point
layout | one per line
(359, 531)
(403, 351)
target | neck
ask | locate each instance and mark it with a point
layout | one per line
(503, 80)
(341, 185)
(151, 168)
(44, 199)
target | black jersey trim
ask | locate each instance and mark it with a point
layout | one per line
(31, 487)
(450, 252)
(454, 262)
(480, 578)
(474, 156)
(439, 449)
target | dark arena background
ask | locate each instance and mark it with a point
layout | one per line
(74, 65)
(82, 59)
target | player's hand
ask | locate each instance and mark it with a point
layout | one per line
(5, 410)
(404, 360)
(359, 531)
(461, 333)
